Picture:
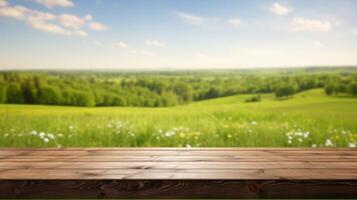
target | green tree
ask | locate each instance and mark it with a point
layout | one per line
(213, 92)
(30, 92)
(284, 91)
(330, 89)
(84, 99)
(353, 88)
(169, 99)
(184, 91)
(49, 95)
(118, 101)
(2, 93)
(341, 88)
(14, 93)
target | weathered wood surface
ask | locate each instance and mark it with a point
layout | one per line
(178, 173)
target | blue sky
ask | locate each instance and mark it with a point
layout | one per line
(179, 34)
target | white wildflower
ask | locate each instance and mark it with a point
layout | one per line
(46, 140)
(170, 133)
(254, 123)
(51, 136)
(328, 143)
(42, 135)
(352, 145)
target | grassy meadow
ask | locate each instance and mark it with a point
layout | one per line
(309, 119)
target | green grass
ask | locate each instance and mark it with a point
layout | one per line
(308, 119)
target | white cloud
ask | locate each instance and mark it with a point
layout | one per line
(318, 44)
(154, 43)
(235, 22)
(279, 9)
(120, 45)
(97, 26)
(354, 32)
(311, 25)
(193, 19)
(15, 12)
(55, 3)
(41, 22)
(88, 17)
(62, 24)
(3, 3)
(71, 21)
(50, 28)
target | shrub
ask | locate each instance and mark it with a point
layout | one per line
(284, 91)
(255, 98)
(213, 92)
(341, 88)
(330, 89)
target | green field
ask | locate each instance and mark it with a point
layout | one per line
(308, 119)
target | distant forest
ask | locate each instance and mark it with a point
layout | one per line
(162, 89)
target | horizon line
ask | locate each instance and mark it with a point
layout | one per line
(178, 69)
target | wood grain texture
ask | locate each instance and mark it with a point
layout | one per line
(177, 189)
(178, 173)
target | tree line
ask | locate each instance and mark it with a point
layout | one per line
(158, 89)
(336, 88)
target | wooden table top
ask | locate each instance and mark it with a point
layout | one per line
(178, 164)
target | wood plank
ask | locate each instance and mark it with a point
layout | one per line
(178, 173)
(173, 149)
(177, 153)
(177, 189)
(164, 158)
(178, 165)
